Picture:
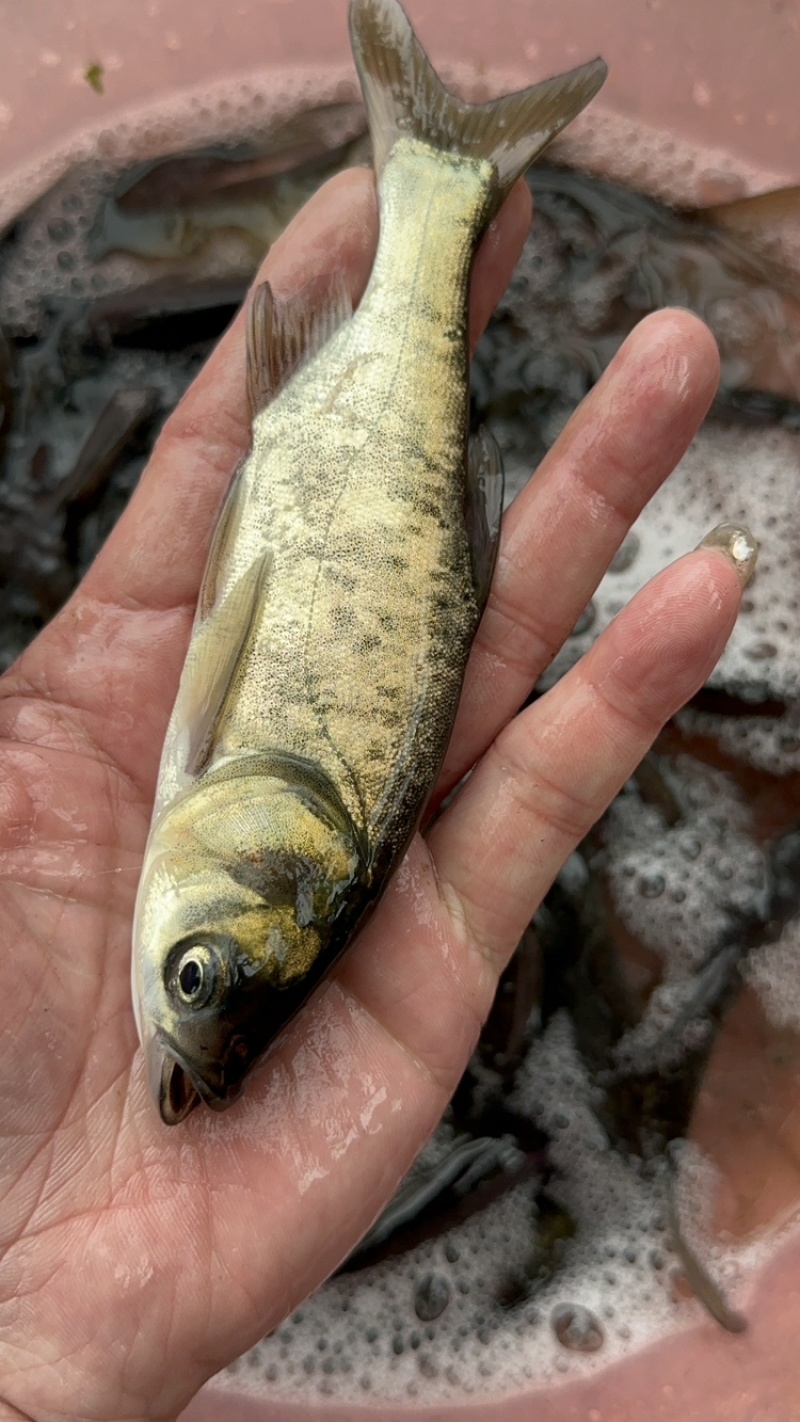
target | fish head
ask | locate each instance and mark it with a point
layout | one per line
(239, 899)
(213, 985)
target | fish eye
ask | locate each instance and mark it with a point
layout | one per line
(195, 976)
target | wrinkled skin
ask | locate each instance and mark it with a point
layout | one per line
(137, 1259)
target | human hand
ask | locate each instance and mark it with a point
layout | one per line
(138, 1260)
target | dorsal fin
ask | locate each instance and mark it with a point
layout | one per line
(283, 333)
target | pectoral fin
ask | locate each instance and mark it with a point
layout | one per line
(226, 522)
(217, 650)
(283, 333)
(483, 508)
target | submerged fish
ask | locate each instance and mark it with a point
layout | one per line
(344, 585)
(173, 210)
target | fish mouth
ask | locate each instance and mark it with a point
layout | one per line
(177, 1093)
(175, 1088)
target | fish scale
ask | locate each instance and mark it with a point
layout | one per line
(389, 536)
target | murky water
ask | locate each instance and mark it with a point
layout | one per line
(547, 1226)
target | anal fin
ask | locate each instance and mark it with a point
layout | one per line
(283, 333)
(483, 508)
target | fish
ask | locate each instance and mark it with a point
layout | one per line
(186, 181)
(344, 585)
(167, 314)
(172, 210)
(40, 535)
(703, 1286)
(467, 1162)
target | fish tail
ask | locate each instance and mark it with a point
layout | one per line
(404, 97)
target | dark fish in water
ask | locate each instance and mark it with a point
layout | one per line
(171, 209)
(35, 541)
(168, 313)
(6, 389)
(344, 586)
(468, 1161)
(194, 180)
(697, 1276)
(116, 424)
(599, 258)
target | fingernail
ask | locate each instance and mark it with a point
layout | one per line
(738, 544)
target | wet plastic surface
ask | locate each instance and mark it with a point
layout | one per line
(720, 73)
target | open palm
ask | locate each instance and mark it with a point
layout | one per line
(136, 1260)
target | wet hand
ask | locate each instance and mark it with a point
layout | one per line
(137, 1260)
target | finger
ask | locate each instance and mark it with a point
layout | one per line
(564, 528)
(496, 258)
(536, 793)
(553, 771)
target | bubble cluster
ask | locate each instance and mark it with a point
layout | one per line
(471, 1310)
(681, 888)
(772, 971)
(739, 476)
(769, 742)
(79, 247)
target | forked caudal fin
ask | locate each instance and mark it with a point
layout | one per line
(404, 97)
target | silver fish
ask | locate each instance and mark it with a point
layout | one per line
(344, 586)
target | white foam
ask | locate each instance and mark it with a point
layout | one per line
(773, 972)
(769, 743)
(682, 889)
(360, 1336)
(733, 475)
